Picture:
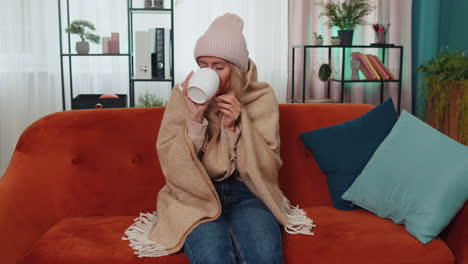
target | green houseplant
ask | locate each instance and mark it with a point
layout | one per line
(346, 16)
(318, 39)
(78, 27)
(445, 77)
(150, 100)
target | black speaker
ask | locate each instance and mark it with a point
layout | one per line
(89, 101)
(157, 58)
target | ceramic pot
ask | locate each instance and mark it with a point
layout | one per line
(82, 47)
(346, 37)
(335, 42)
(318, 42)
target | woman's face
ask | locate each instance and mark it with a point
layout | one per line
(222, 68)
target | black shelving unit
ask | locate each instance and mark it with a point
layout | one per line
(342, 80)
(131, 11)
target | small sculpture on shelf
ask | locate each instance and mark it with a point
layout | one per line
(154, 4)
(157, 3)
(147, 3)
(325, 72)
(318, 39)
(78, 27)
(355, 66)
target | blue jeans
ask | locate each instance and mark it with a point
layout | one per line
(246, 231)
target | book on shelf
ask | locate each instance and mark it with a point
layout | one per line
(365, 67)
(374, 71)
(372, 67)
(383, 74)
(386, 69)
(161, 53)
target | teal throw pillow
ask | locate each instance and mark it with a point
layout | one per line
(417, 177)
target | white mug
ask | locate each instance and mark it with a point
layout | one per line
(203, 85)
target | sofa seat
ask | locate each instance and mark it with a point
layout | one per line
(340, 237)
(90, 240)
(359, 236)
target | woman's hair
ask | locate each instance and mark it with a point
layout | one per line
(237, 80)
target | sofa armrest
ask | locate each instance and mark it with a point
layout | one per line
(456, 236)
(26, 212)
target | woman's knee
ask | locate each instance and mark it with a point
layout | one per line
(202, 255)
(265, 253)
(209, 243)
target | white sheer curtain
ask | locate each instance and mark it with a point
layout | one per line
(29, 68)
(30, 82)
(265, 30)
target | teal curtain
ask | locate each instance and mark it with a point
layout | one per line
(436, 24)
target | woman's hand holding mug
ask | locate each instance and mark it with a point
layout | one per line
(199, 89)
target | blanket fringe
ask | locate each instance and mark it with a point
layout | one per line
(298, 221)
(138, 234)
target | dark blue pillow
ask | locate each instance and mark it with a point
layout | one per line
(342, 151)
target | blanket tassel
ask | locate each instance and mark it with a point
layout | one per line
(298, 221)
(138, 234)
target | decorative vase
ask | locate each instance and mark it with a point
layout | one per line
(318, 42)
(346, 37)
(335, 42)
(324, 72)
(105, 45)
(82, 47)
(114, 44)
(381, 37)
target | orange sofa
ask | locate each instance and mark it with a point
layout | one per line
(77, 179)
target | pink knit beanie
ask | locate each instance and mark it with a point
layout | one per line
(224, 39)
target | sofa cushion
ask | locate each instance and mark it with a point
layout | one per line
(300, 178)
(360, 237)
(343, 150)
(417, 177)
(341, 237)
(90, 240)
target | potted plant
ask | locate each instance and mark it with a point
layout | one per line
(346, 16)
(318, 39)
(79, 27)
(335, 40)
(447, 94)
(150, 100)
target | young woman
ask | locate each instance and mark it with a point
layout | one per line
(221, 202)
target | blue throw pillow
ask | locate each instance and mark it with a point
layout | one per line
(343, 150)
(417, 177)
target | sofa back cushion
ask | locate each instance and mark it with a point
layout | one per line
(93, 162)
(104, 162)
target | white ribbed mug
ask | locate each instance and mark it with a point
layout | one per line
(203, 85)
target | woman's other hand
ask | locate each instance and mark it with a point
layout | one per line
(229, 105)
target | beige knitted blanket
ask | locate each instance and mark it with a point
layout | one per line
(189, 197)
